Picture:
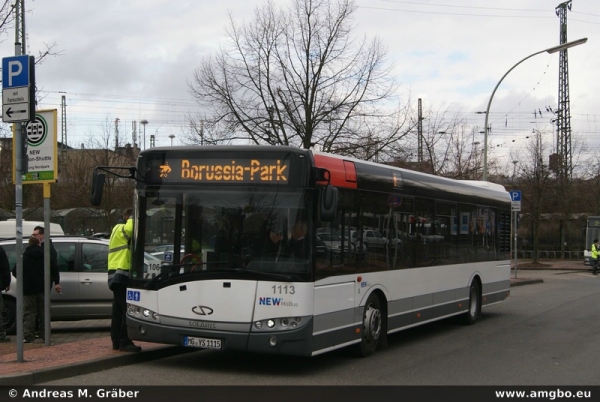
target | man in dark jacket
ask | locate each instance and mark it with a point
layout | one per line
(33, 289)
(5, 279)
(38, 232)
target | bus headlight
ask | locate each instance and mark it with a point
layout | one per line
(280, 324)
(143, 314)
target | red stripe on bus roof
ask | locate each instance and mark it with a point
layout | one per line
(343, 173)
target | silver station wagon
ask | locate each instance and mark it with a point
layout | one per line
(82, 263)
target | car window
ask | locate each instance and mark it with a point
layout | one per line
(10, 253)
(94, 257)
(65, 256)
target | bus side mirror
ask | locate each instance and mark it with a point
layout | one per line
(328, 197)
(97, 187)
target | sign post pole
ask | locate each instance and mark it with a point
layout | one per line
(515, 197)
(42, 169)
(18, 106)
(515, 226)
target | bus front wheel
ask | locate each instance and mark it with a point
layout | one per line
(372, 327)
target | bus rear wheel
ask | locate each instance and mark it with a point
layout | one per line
(474, 311)
(372, 327)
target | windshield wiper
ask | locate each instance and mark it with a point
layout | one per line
(286, 277)
(246, 271)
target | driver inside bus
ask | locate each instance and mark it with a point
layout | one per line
(274, 242)
(299, 241)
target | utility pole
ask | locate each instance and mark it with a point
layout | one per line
(420, 132)
(63, 111)
(563, 114)
(117, 134)
(134, 133)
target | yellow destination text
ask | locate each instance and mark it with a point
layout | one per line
(254, 170)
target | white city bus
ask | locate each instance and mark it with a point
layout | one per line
(241, 282)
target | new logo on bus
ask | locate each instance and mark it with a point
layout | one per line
(275, 301)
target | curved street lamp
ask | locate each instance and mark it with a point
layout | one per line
(551, 50)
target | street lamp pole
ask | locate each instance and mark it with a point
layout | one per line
(143, 123)
(171, 136)
(551, 50)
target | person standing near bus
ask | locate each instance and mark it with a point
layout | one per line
(38, 233)
(595, 254)
(33, 289)
(119, 264)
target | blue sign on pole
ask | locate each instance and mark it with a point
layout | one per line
(15, 71)
(18, 89)
(515, 195)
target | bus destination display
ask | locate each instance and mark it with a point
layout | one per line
(225, 170)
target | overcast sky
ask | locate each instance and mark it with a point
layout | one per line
(133, 60)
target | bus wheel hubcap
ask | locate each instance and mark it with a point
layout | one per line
(372, 323)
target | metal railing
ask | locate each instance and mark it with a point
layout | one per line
(551, 254)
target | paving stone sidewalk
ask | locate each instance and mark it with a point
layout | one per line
(76, 348)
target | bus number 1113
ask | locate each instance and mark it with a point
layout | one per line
(284, 290)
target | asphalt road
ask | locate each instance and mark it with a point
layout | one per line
(543, 334)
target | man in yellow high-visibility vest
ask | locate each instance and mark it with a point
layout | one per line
(119, 264)
(595, 254)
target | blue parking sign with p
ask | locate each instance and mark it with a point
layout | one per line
(515, 195)
(15, 71)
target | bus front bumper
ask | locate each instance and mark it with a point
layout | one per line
(292, 342)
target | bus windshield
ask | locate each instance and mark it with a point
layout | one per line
(226, 233)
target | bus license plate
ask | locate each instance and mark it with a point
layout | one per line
(204, 343)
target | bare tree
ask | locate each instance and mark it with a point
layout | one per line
(203, 131)
(464, 157)
(537, 183)
(299, 77)
(446, 147)
(76, 166)
(7, 23)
